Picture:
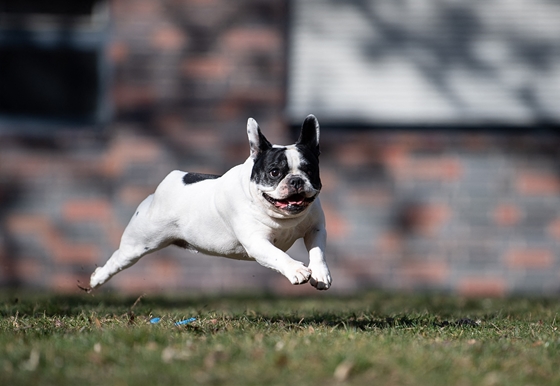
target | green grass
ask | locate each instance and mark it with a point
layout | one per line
(371, 338)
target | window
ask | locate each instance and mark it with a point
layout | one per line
(53, 65)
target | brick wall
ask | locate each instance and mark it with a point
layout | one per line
(472, 213)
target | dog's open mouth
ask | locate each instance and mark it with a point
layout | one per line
(293, 203)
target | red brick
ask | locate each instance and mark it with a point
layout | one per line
(246, 94)
(425, 272)
(68, 253)
(553, 229)
(134, 195)
(52, 240)
(389, 242)
(209, 68)
(27, 223)
(27, 165)
(477, 142)
(127, 150)
(165, 268)
(395, 156)
(205, 3)
(68, 282)
(538, 184)
(447, 168)
(118, 52)
(367, 197)
(126, 96)
(140, 283)
(156, 273)
(507, 215)
(330, 179)
(138, 9)
(427, 219)
(442, 168)
(251, 39)
(482, 287)
(87, 210)
(200, 136)
(168, 38)
(113, 235)
(337, 226)
(536, 258)
(354, 154)
(234, 106)
(29, 270)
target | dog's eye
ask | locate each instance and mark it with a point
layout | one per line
(274, 172)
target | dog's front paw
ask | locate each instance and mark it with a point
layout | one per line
(320, 276)
(299, 274)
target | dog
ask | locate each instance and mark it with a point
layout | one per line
(255, 211)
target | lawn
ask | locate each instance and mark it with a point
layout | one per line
(370, 338)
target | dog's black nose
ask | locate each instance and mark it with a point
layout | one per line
(296, 183)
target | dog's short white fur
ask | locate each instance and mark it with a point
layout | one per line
(244, 214)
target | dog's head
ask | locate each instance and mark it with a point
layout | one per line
(286, 177)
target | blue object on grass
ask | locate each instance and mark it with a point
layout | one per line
(155, 320)
(185, 321)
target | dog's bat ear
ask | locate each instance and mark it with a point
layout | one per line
(309, 135)
(257, 141)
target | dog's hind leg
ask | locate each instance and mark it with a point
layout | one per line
(142, 235)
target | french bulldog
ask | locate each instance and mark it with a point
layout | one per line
(255, 211)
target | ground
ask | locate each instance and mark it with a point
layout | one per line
(367, 338)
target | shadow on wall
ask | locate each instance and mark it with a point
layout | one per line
(417, 63)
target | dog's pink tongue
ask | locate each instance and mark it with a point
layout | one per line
(290, 201)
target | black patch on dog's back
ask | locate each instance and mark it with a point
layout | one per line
(193, 178)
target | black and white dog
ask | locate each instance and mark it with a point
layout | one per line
(255, 211)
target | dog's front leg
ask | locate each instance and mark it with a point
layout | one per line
(266, 254)
(315, 242)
